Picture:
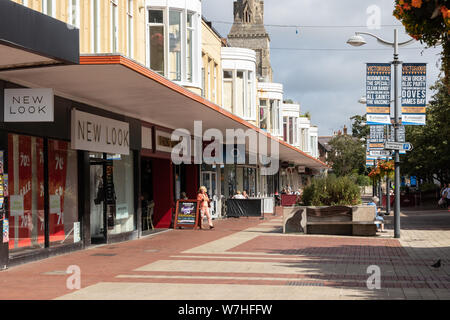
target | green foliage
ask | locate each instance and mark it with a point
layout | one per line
(331, 191)
(363, 181)
(360, 129)
(307, 115)
(428, 187)
(431, 154)
(429, 22)
(347, 154)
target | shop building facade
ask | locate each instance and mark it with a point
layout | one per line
(101, 170)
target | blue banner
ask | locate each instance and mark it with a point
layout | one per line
(378, 93)
(414, 93)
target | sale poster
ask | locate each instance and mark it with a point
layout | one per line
(57, 162)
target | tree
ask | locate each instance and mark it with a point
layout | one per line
(360, 129)
(348, 155)
(307, 115)
(431, 154)
(428, 21)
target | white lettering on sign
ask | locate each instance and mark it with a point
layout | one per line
(29, 105)
(99, 134)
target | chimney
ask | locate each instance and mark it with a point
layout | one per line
(345, 130)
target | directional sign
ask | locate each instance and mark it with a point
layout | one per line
(400, 146)
(379, 153)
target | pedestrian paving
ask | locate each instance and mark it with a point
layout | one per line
(250, 259)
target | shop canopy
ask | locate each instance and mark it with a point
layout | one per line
(120, 85)
(29, 38)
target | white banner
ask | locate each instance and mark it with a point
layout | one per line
(99, 134)
(29, 105)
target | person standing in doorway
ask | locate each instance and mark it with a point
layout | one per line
(204, 205)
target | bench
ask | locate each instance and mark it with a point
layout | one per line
(336, 220)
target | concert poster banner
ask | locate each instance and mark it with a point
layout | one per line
(376, 138)
(378, 93)
(414, 93)
(57, 162)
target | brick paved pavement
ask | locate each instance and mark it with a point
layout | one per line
(250, 259)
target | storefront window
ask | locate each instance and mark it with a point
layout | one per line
(63, 192)
(26, 192)
(124, 194)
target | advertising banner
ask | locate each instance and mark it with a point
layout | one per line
(414, 92)
(378, 93)
(376, 138)
(57, 162)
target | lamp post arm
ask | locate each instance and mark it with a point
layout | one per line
(376, 37)
(387, 43)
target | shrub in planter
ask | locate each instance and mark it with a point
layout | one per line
(332, 191)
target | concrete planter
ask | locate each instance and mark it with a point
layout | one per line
(359, 221)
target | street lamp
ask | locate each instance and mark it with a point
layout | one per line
(357, 40)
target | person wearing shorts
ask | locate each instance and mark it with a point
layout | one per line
(204, 205)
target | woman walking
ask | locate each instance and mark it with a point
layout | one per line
(204, 205)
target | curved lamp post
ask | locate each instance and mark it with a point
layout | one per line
(357, 40)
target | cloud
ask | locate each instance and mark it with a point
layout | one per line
(326, 83)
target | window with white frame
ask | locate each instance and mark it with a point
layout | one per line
(291, 130)
(95, 30)
(275, 116)
(173, 43)
(74, 13)
(209, 80)
(214, 91)
(227, 93)
(237, 92)
(130, 29)
(189, 45)
(263, 114)
(240, 93)
(24, 2)
(295, 130)
(114, 26)
(203, 82)
(157, 40)
(49, 7)
(248, 111)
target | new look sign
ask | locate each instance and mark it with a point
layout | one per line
(99, 134)
(29, 105)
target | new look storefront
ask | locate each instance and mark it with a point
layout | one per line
(68, 183)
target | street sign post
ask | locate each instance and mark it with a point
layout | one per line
(399, 146)
(380, 153)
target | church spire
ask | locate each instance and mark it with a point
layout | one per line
(248, 32)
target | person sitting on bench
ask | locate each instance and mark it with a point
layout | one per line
(378, 214)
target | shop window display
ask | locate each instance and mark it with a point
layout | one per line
(124, 195)
(63, 192)
(26, 192)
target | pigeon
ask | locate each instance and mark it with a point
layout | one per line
(437, 264)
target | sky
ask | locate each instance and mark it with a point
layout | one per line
(327, 83)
